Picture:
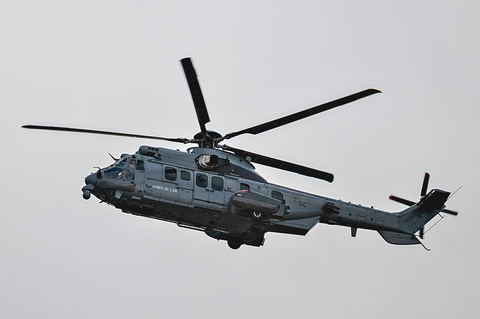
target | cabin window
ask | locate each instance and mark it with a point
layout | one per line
(170, 174)
(184, 175)
(129, 174)
(277, 195)
(217, 183)
(202, 180)
(244, 187)
(132, 163)
(140, 165)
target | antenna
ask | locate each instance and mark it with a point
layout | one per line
(115, 159)
(451, 195)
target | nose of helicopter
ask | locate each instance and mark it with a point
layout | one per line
(90, 182)
(91, 179)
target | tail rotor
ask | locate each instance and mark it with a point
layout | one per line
(423, 193)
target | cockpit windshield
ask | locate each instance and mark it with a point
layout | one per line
(114, 173)
(121, 163)
(124, 169)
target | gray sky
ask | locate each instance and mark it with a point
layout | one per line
(114, 65)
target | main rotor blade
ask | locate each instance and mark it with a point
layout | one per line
(197, 96)
(276, 163)
(80, 130)
(303, 114)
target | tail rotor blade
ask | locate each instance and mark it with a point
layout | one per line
(425, 185)
(402, 200)
(448, 211)
(422, 233)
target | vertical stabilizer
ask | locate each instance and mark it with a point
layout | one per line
(414, 218)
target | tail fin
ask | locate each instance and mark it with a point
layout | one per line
(414, 218)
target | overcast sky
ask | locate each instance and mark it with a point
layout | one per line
(114, 65)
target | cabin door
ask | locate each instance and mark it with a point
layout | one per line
(217, 189)
(200, 187)
(209, 188)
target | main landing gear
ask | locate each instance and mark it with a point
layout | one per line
(256, 216)
(234, 244)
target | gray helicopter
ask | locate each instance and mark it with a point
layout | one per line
(215, 189)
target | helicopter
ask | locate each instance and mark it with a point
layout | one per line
(215, 189)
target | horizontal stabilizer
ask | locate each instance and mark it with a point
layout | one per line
(295, 226)
(435, 200)
(399, 238)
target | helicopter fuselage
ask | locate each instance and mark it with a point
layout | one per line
(220, 193)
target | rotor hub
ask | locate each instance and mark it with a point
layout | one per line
(208, 139)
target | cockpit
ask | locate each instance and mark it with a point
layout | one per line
(124, 169)
(117, 178)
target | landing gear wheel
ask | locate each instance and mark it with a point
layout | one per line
(234, 244)
(256, 216)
